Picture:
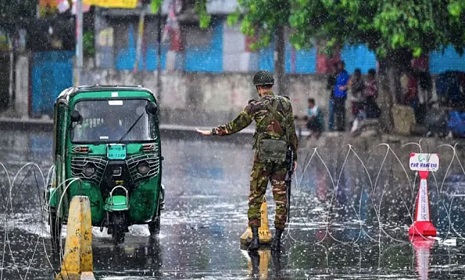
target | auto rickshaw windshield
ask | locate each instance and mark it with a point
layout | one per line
(112, 121)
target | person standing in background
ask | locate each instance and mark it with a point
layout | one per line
(356, 93)
(370, 94)
(340, 95)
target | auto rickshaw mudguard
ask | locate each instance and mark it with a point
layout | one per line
(116, 203)
(144, 200)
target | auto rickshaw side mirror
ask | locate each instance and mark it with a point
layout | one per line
(151, 108)
(76, 116)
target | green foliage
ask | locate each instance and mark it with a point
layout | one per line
(88, 43)
(418, 26)
(456, 8)
(201, 11)
(155, 5)
(383, 25)
(261, 18)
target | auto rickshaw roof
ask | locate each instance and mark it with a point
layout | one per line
(73, 91)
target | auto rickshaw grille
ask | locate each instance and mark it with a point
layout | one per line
(79, 162)
(153, 161)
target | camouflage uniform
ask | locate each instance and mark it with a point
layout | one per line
(267, 126)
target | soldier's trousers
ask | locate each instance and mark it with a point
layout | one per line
(261, 174)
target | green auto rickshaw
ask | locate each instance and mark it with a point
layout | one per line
(107, 147)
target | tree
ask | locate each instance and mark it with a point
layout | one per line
(266, 21)
(395, 30)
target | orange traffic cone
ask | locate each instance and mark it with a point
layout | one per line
(422, 225)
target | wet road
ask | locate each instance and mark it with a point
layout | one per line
(351, 210)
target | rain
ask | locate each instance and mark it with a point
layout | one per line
(151, 111)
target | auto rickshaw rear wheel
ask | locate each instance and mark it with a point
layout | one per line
(55, 224)
(118, 227)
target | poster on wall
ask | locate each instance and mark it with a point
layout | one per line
(125, 4)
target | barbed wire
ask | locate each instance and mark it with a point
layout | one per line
(378, 192)
(377, 180)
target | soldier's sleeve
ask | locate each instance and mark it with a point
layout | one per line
(239, 123)
(294, 140)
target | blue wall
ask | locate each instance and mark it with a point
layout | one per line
(207, 59)
(52, 72)
(447, 60)
(265, 58)
(210, 58)
(305, 60)
(358, 56)
(126, 57)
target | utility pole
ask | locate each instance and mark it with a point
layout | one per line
(159, 85)
(140, 37)
(79, 51)
(279, 62)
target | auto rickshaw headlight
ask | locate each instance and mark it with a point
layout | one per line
(143, 167)
(88, 170)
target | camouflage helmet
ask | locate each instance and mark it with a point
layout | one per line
(262, 78)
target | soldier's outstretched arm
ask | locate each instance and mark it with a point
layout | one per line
(239, 123)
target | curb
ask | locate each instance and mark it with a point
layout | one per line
(166, 130)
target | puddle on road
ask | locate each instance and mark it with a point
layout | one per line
(349, 220)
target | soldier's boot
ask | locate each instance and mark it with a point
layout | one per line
(254, 244)
(276, 242)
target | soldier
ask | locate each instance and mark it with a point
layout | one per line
(274, 135)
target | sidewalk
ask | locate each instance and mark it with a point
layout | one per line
(46, 125)
(189, 132)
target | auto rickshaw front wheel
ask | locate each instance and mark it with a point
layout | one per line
(117, 227)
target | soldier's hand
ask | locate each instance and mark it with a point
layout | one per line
(204, 132)
(294, 166)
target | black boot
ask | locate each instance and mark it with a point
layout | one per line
(255, 260)
(255, 241)
(276, 242)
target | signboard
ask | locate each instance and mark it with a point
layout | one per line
(424, 162)
(127, 4)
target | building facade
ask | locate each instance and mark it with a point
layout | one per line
(220, 48)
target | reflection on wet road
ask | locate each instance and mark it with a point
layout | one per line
(351, 210)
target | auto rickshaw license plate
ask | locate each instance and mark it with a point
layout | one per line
(116, 151)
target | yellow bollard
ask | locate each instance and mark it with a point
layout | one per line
(260, 271)
(77, 261)
(264, 233)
